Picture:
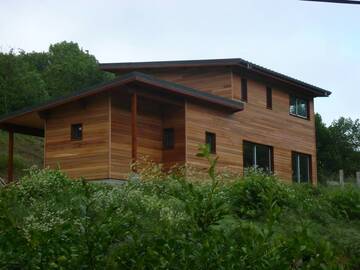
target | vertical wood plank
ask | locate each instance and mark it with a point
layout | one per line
(11, 157)
(134, 132)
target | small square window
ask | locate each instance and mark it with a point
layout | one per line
(210, 140)
(76, 132)
(168, 138)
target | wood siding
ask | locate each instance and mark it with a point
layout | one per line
(216, 81)
(152, 118)
(105, 151)
(276, 128)
(88, 158)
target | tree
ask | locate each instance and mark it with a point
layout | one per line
(30, 78)
(20, 84)
(338, 146)
(70, 69)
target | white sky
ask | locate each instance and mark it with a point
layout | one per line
(315, 42)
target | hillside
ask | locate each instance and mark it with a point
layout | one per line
(28, 151)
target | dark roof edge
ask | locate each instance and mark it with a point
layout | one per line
(216, 62)
(175, 88)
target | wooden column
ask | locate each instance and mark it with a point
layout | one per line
(11, 157)
(134, 131)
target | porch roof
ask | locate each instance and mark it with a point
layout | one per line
(29, 120)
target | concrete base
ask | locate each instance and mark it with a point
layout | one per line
(114, 182)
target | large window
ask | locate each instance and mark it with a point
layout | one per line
(76, 132)
(301, 167)
(299, 107)
(258, 156)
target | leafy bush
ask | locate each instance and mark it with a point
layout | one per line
(51, 222)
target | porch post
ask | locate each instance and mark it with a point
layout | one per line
(134, 127)
(11, 157)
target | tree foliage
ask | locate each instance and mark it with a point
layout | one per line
(338, 146)
(30, 78)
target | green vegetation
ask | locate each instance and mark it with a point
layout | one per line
(338, 147)
(28, 152)
(166, 222)
(30, 78)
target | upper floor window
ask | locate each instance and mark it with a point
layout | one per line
(299, 106)
(244, 90)
(301, 167)
(168, 138)
(76, 132)
(269, 97)
(258, 156)
(210, 140)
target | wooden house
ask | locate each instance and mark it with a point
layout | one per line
(249, 115)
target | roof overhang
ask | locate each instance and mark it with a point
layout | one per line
(232, 62)
(30, 120)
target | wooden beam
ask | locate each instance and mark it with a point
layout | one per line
(134, 131)
(11, 157)
(22, 129)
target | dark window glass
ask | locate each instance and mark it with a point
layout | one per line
(244, 90)
(168, 138)
(76, 132)
(268, 97)
(258, 156)
(210, 140)
(301, 167)
(299, 107)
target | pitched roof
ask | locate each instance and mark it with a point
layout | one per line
(165, 86)
(236, 62)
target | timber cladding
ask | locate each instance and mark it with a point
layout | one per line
(152, 118)
(106, 149)
(89, 157)
(257, 124)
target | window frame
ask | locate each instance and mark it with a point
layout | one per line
(212, 143)
(298, 165)
(244, 89)
(73, 132)
(168, 135)
(254, 145)
(307, 102)
(269, 101)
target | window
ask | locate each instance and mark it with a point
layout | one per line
(258, 156)
(76, 132)
(168, 138)
(244, 90)
(210, 140)
(269, 98)
(301, 167)
(299, 107)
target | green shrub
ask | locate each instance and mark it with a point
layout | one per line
(48, 221)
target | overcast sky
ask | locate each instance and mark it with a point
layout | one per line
(315, 42)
